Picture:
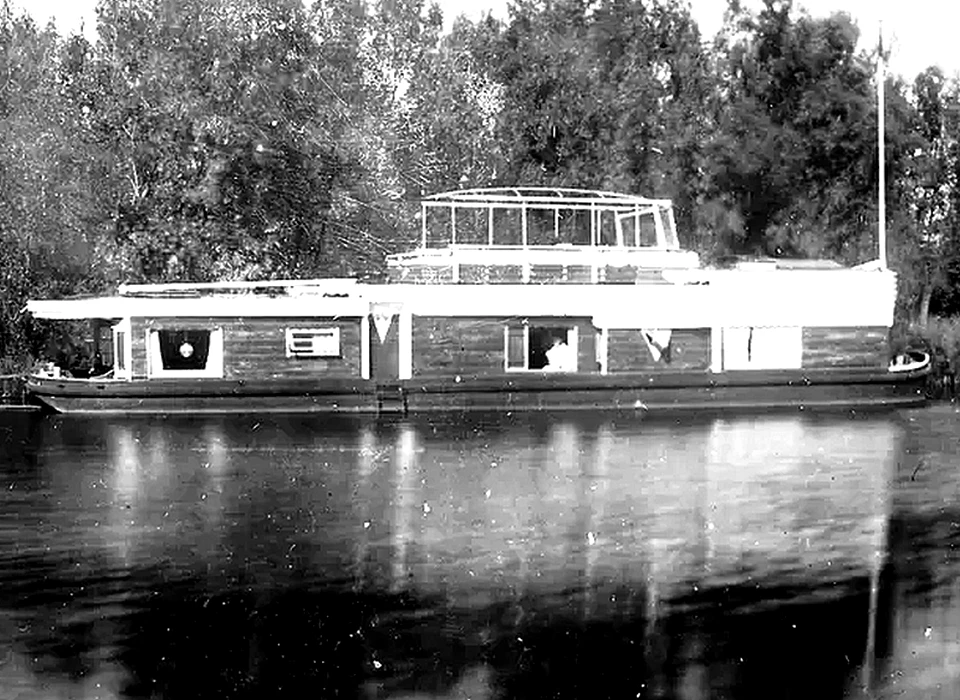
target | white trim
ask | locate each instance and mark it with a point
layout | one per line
(405, 345)
(213, 370)
(365, 347)
(573, 343)
(716, 349)
(124, 326)
(603, 349)
(219, 306)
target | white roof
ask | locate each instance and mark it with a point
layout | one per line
(211, 306)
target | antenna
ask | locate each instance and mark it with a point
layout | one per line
(882, 179)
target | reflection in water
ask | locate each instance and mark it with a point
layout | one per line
(503, 557)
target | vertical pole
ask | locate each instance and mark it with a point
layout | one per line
(523, 225)
(593, 224)
(603, 343)
(365, 346)
(882, 175)
(716, 349)
(405, 342)
(423, 225)
(453, 224)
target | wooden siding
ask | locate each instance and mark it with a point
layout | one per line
(627, 351)
(256, 347)
(845, 347)
(475, 346)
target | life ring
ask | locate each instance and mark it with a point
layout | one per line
(909, 361)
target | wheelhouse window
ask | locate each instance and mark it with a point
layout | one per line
(185, 352)
(313, 342)
(534, 347)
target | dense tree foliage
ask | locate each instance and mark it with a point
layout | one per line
(253, 139)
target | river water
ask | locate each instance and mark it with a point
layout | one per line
(526, 556)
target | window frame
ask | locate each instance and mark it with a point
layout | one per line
(332, 331)
(572, 341)
(212, 370)
(789, 354)
(122, 339)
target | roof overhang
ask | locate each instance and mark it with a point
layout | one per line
(117, 307)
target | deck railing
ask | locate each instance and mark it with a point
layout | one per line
(465, 264)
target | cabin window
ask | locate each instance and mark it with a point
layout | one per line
(313, 342)
(763, 347)
(185, 353)
(546, 348)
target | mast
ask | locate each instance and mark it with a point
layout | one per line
(882, 186)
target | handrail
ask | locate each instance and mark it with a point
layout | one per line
(126, 289)
(553, 196)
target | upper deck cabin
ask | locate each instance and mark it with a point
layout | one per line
(540, 235)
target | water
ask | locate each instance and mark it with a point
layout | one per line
(780, 556)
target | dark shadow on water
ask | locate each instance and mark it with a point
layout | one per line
(193, 638)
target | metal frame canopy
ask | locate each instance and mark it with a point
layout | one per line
(556, 199)
(549, 197)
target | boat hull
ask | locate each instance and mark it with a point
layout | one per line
(509, 392)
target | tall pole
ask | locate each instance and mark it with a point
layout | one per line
(882, 204)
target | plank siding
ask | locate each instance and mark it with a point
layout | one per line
(255, 347)
(475, 346)
(845, 347)
(627, 351)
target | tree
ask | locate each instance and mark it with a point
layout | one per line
(795, 113)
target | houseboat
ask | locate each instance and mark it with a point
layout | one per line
(514, 299)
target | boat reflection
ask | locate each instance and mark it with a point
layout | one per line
(576, 507)
(498, 557)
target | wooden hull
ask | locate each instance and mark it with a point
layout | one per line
(650, 391)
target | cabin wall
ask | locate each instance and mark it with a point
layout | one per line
(475, 345)
(627, 351)
(256, 347)
(845, 347)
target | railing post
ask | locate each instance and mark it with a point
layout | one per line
(523, 225)
(423, 225)
(453, 224)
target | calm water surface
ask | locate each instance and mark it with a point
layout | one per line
(778, 556)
